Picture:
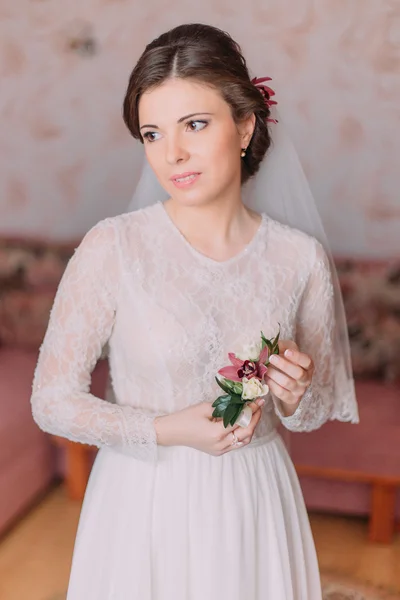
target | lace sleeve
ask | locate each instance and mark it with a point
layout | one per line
(315, 331)
(81, 322)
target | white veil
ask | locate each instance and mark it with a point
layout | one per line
(281, 190)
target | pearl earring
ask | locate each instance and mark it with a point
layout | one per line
(243, 152)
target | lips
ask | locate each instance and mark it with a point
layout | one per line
(184, 175)
(185, 181)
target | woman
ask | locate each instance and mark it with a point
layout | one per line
(179, 507)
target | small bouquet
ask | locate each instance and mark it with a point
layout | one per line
(243, 380)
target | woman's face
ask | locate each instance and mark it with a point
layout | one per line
(191, 140)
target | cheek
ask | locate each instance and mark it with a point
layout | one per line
(224, 154)
(156, 159)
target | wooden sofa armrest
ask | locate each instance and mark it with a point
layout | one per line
(383, 497)
(78, 466)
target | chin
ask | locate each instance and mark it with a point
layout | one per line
(187, 197)
(194, 198)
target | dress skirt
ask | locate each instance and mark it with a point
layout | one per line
(195, 527)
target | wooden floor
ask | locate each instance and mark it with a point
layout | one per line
(35, 556)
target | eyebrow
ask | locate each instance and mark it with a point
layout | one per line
(179, 120)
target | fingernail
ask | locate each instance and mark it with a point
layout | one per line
(260, 402)
(288, 353)
(274, 358)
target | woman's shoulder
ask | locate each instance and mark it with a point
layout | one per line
(283, 234)
(294, 246)
(104, 243)
(129, 223)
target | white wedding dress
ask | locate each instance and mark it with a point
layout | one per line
(174, 523)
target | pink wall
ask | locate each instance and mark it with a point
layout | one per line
(66, 160)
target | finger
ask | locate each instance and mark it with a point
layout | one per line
(287, 345)
(255, 407)
(241, 432)
(229, 439)
(226, 443)
(282, 393)
(299, 358)
(289, 368)
(242, 441)
(280, 378)
(247, 440)
(244, 432)
(244, 435)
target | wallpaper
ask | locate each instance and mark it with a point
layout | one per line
(67, 161)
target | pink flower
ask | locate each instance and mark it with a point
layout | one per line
(266, 92)
(245, 368)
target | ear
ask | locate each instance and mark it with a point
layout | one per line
(246, 130)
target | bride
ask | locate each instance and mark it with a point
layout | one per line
(178, 506)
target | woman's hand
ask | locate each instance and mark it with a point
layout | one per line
(289, 375)
(195, 427)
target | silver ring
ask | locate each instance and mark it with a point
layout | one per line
(235, 439)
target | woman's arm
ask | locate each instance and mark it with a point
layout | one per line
(80, 324)
(314, 336)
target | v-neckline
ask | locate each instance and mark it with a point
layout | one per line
(203, 257)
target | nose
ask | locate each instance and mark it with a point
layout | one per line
(175, 151)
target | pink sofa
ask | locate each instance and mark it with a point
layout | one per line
(355, 469)
(29, 275)
(29, 460)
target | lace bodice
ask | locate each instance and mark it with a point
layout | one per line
(170, 315)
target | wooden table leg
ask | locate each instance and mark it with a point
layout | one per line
(78, 469)
(382, 521)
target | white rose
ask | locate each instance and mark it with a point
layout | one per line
(250, 351)
(253, 388)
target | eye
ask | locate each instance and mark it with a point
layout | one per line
(196, 125)
(150, 136)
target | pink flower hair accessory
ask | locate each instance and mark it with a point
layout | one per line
(266, 92)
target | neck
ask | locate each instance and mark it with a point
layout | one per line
(217, 228)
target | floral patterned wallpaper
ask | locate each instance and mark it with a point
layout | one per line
(66, 160)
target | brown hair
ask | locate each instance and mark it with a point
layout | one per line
(208, 55)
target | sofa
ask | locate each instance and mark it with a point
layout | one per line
(343, 468)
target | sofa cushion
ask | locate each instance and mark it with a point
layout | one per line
(30, 271)
(371, 293)
(371, 446)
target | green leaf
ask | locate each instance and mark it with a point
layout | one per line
(229, 384)
(223, 385)
(236, 415)
(276, 339)
(222, 400)
(266, 342)
(218, 412)
(237, 400)
(230, 411)
(237, 388)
